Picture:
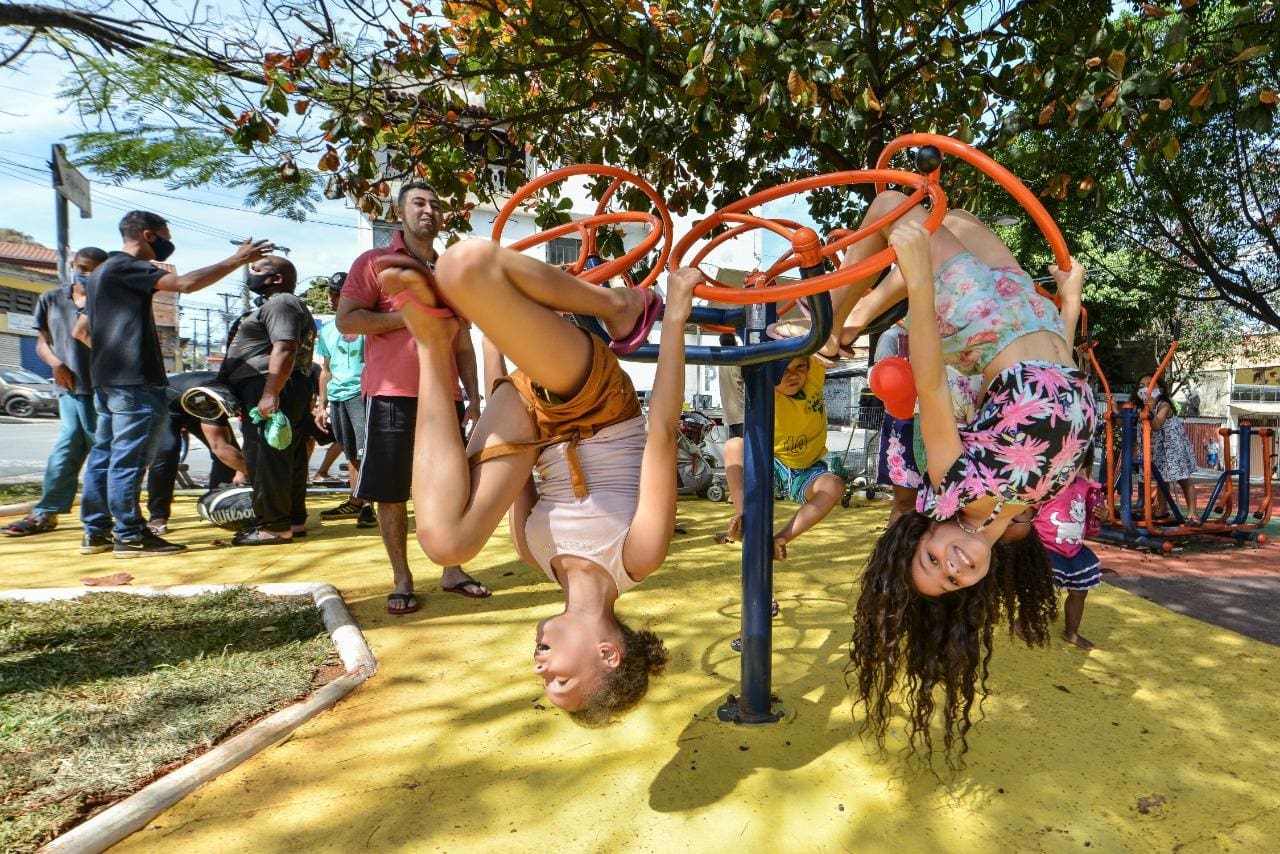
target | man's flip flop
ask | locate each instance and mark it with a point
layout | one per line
(393, 260)
(258, 537)
(469, 588)
(639, 335)
(408, 600)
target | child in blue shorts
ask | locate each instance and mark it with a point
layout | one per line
(800, 471)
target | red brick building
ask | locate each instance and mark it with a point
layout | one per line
(26, 271)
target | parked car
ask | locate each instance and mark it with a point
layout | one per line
(24, 394)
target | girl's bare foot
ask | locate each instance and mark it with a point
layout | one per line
(1078, 640)
(779, 547)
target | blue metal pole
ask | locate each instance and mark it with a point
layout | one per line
(757, 546)
(755, 706)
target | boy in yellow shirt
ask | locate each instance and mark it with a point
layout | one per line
(799, 446)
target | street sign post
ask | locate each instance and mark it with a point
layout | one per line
(69, 186)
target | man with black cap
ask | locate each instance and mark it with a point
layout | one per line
(268, 366)
(340, 406)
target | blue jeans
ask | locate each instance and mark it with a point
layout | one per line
(131, 422)
(62, 472)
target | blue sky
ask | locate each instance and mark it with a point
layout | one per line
(202, 220)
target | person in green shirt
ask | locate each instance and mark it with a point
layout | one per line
(340, 406)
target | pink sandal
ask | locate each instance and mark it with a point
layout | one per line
(639, 335)
(393, 260)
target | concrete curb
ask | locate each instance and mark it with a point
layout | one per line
(133, 813)
(20, 509)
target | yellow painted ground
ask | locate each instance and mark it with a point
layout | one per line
(448, 748)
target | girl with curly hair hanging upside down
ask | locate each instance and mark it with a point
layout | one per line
(935, 586)
(600, 519)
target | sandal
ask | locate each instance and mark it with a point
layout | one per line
(30, 525)
(470, 588)
(407, 603)
(399, 260)
(639, 334)
(259, 537)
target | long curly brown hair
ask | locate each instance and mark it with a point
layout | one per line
(942, 641)
(1024, 593)
(622, 687)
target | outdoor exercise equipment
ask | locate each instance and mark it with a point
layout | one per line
(1129, 500)
(929, 150)
(763, 362)
(587, 266)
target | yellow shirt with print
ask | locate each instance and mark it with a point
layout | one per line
(800, 421)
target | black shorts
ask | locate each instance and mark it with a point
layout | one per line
(346, 420)
(386, 471)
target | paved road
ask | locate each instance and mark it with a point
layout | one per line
(1250, 606)
(25, 444)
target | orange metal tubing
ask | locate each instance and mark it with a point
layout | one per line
(661, 220)
(826, 281)
(993, 170)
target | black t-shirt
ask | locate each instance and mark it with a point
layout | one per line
(126, 347)
(183, 382)
(282, 317)
(56, 315)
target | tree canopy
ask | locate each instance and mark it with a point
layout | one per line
(1149, 127)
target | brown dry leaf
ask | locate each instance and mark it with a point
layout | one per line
(1155, 11)
(1094, 62)
(1165, 103)
(1200, 98)
(873, 102)
(1250, 52)
(1116, 60)
(1046, 115)
(1266, 96)
(115, 579)
(796, 86)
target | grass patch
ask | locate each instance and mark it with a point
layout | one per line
(99, 694)
(15, 493)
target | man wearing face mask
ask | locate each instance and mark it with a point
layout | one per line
(268, 366)
(128, 373)
(55, 321)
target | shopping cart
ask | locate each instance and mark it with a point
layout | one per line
(857, 465)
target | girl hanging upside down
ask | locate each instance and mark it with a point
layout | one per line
(927, 605)
(600, 519)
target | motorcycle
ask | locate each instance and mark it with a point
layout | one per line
(696, 469)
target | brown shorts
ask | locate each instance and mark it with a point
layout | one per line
(607, 397)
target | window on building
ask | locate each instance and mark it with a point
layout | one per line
(563, 250)
(20, 302)
(383, 231)
(1255, 394)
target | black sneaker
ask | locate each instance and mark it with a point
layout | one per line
(367, 518)
(95, 544)
(346, 510)
(150, 544)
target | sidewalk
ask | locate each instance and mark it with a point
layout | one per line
(1164, 738)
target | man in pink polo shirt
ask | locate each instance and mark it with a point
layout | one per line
(390, 387)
